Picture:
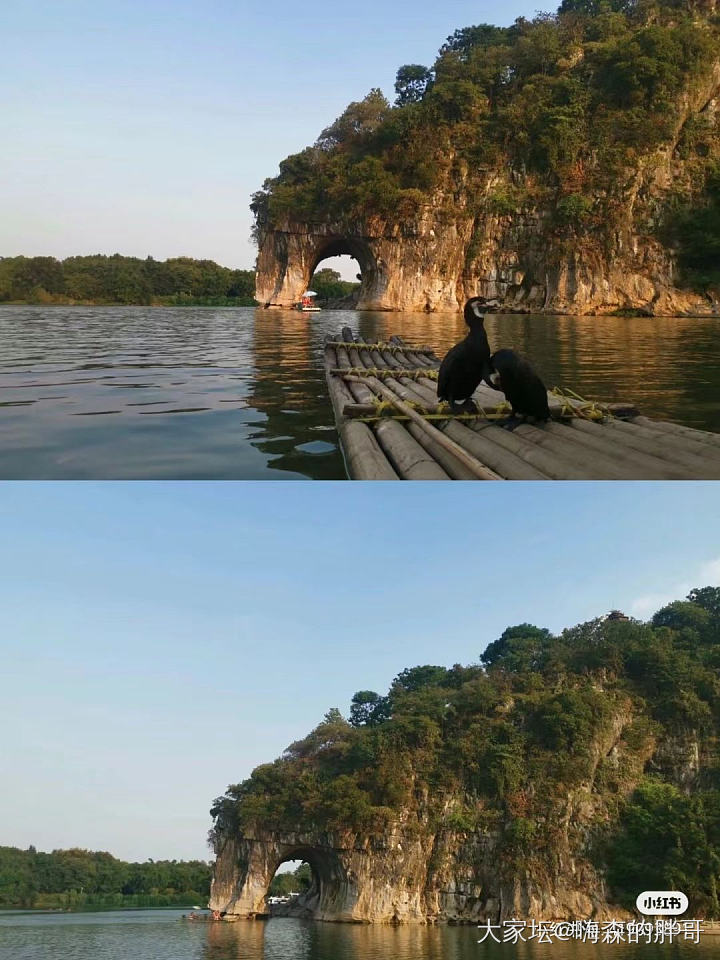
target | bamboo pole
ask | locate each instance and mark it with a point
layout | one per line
(642, 464)
(686, 465)
(364, 457)
(408, 390)
(502, 461)
(360, 391)
(690, 433)
(594, 465)
(402, 389)
(340, 393)
(410, 460)
(479, 469)
(364, 460)
(408, 456)
(673, 441)
(418, 356)
(455, 468)
(553, 465)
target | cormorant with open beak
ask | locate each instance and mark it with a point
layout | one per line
(466, 364)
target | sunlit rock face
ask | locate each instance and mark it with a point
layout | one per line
(446, 253)
(397, 878)
(436, 266)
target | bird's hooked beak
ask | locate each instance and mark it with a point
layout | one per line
(477, 311)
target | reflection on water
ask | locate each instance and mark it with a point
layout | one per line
(162, 935)
(140, 392)
(286, 939)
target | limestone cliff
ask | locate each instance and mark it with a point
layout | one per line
(421, 870)
(557, 219)
(496, 791)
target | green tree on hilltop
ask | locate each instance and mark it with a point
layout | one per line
(411, 82)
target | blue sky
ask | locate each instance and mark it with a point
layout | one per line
(143, 126)
(160, 640)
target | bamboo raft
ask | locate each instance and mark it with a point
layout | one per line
(391, 427)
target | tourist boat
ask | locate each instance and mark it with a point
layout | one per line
(307, 303)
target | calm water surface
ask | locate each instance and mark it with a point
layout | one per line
(162, 935)
(239, 393)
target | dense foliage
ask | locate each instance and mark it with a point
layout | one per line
(668, 840)
(329, 286)
(75, 878)
(560, 107)
(117, 279)
(295, 881)
(501, 743)
(693, 227)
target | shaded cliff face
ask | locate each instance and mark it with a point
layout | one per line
(510, 788)
(538, 167)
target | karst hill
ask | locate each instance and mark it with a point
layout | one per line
(565, 164)
(559, 777)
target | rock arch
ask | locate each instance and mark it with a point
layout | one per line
(287, 260)
(246, 867)
(418, 272)
(355, 247)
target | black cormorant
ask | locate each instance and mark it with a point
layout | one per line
(467, 363)
(523, 388)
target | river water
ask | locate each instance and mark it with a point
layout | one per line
(163, 935)
(239, 393)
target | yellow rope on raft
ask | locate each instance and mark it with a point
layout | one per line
(390, 347)
(443, 412)
(383, 372)
(590, 409)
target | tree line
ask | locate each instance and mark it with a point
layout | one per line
(126, 280)
(83, 878)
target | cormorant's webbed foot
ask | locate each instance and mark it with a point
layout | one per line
(463, 406)
(514, 420)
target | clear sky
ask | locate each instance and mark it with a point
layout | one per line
(143, 126)
(159, 640)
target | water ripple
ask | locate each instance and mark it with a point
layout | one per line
(223, 384)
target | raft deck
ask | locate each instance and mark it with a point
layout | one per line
(391, 427)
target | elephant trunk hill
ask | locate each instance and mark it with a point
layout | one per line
(567, 164)
(558, 778)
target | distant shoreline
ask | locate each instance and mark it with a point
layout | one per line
(166, 302)
(107, 908)
(99, 280)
